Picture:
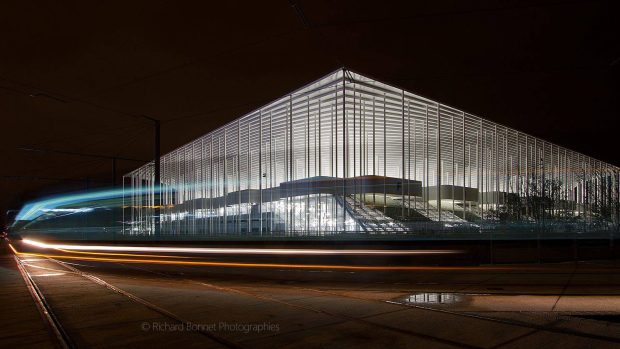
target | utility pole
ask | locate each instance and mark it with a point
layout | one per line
(157, 151)
(87, 181)
(114, 172)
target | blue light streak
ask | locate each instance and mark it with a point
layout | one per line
(33, 210)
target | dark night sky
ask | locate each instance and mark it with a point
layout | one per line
(74, 73)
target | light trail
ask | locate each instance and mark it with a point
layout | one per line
(35, 209)
(253, 265)
(13, 249)
(121, 254)
(33, 260)
(238, 251)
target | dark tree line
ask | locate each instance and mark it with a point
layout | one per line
(545, 200)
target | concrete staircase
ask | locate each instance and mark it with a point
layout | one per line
(432, 213)
(371, 220)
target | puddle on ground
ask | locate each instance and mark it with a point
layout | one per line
(515, 302)
(436, 298)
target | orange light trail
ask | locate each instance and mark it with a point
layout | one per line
(121, 254)
(236, 251)
(13, 249)
(254, 265)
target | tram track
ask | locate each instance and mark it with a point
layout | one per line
(61, 333)
(244, 292)
(62, 338)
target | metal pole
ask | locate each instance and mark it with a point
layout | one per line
(384, 154)
(496, 168)
(225, 179)
(374, 150)
(426, 165)
(409, 159)
(403, 156)
(238, 170)
(453, 168)
(157, 176)
(464, 168)
(114, 172)
(344, 142)
(438, 164)
(481, 172)
(260, 173)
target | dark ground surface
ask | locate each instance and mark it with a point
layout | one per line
(120, 304)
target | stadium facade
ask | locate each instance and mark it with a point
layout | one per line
(348, 154)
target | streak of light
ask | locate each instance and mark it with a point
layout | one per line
(272, 251)
(120, 254)
(35, 209)
(49, 274)
(13, 249)
(258, 265)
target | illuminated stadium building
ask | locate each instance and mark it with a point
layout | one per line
(348, 154)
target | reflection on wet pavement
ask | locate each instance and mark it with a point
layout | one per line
(427, 298)
(512, 302)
